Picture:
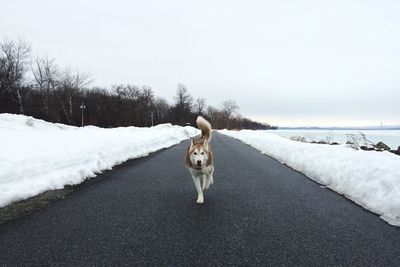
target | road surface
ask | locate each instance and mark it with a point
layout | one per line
(258, 212)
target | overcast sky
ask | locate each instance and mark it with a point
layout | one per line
(284, 62)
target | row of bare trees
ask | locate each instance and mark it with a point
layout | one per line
(186, 109)
(39, 88)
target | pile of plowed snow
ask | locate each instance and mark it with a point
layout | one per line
(36, 155)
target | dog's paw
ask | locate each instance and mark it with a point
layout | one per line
(200, 200)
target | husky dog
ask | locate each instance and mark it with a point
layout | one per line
(199, 159)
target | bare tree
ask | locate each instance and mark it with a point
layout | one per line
(161, 109)
(131, 92)
(229, 108)
(183, 105)
(214, 116)
(145, 106)
(45, 74)
(199, 106)
(14, 59)
(70, 86)
(183, 98)
(211, 112)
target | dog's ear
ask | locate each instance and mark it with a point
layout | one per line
(191, 142)
(205, 144)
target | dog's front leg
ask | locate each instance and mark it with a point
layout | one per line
(207, 181)
(204, 183)
(200, 198)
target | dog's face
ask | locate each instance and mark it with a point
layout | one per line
(198, 154)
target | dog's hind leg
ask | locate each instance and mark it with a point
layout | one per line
(200, 197)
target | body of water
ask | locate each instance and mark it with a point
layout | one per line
(389, 137)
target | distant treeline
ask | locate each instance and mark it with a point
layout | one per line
(38, 87)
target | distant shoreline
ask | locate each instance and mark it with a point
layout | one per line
(389, 136)
(372, 128)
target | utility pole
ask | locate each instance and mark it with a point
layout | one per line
(152, 119)
(82, 109)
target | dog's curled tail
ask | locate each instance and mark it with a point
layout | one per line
(205, 128)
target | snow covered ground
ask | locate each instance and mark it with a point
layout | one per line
(371, 179)
(36, 155)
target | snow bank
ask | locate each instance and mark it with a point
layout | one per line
(36, 155)
(371, 179)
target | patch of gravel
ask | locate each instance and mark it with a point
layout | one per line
(30, 205)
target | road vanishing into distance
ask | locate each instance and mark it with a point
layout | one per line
(258, 213)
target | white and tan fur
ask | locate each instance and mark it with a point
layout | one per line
(199, 159)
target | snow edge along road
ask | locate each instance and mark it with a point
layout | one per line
(371, 179)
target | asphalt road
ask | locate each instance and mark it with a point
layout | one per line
(258, 212)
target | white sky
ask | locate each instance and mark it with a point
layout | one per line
(284, 62)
